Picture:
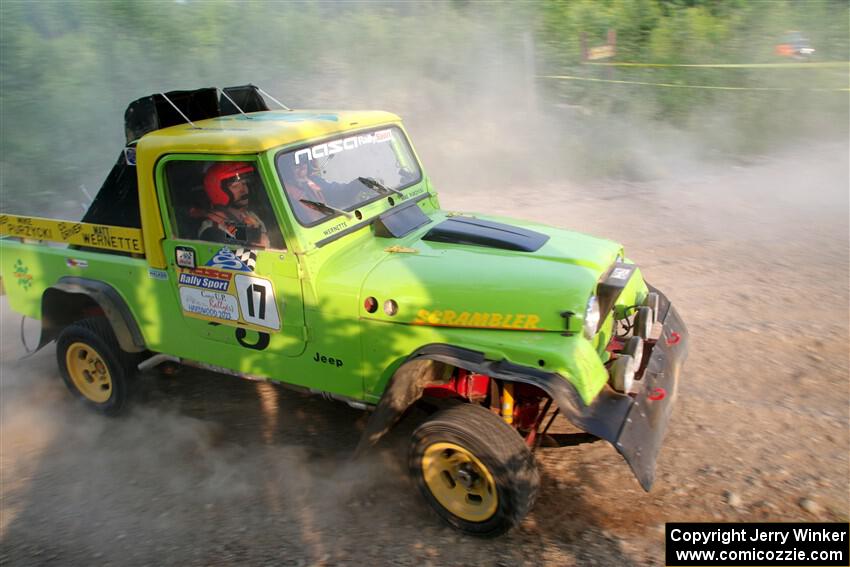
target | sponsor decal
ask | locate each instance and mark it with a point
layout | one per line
(449, 318)
(203, 282)
(22, 275)
(322, 359)
(209, 304)
(209, 273)
(328, 149)
(240, 260)
(228, 298)
(184, 257)
(157, 274)
(74, 263)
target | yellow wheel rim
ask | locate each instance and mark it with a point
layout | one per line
(460, 482)
(88, 372)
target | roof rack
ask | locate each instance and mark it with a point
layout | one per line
(161, 110)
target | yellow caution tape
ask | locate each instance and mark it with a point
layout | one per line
(680, 86)
(797, 65)
(117, 238)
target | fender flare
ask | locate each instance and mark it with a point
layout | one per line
(115, 309)
(426, 366)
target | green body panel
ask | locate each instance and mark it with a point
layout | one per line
(385, 346)
(505, 304)
(148, 298)
(450, 277)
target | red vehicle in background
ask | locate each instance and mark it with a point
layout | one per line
(795, 46)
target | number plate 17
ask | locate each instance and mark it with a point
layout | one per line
(256, 301)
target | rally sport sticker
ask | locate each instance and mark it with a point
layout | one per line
(247, 300)
(205, 279)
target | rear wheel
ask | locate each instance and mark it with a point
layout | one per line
(474, 470)
(93, 366)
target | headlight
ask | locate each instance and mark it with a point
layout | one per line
(642, 323)
(591, 317)
(634, 348)
(652, 301)
(622, 373)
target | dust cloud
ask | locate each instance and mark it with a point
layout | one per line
(207, 469)
(201, 463)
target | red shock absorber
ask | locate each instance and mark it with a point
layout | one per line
(615, 345)
(525, 414)
(527, 406)
(463, 384)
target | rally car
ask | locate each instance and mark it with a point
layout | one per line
(339, 273)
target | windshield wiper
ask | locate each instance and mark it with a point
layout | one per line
(324, 207)
(377, 186)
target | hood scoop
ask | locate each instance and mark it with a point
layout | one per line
(477, 232)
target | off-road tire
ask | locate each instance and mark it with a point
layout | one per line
(93, 339)
(492, 443)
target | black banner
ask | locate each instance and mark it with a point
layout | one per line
(758, 544)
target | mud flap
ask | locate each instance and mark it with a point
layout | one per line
(642, 433)
(636, 426)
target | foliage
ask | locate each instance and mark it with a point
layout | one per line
(688, 32)
(68, 70)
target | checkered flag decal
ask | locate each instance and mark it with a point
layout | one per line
(247, 257)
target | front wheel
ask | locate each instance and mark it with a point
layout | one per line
(93, 366)
(474, 470)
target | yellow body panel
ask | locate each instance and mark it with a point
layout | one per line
(116, 238)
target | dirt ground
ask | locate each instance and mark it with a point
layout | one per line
(210, 470)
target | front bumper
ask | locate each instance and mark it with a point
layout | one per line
(635, 426)
(645, 425)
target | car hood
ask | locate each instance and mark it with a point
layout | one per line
(464, 282)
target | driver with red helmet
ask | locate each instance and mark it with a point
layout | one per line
(228, 186)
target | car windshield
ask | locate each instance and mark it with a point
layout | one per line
(342, 174)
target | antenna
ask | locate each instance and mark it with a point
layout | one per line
(234, 103)
(264, 93)
(186, 118)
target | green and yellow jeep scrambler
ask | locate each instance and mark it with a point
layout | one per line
(344, 277)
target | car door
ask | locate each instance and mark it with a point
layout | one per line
(237, 291)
